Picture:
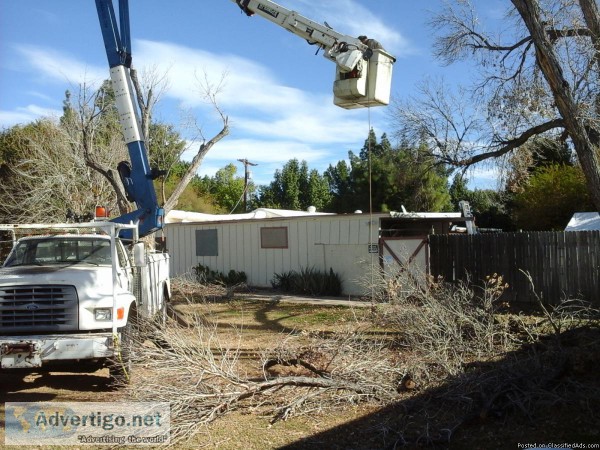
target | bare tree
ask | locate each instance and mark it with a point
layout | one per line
(89, 118)
(542, 82)
(577, 122)
(72, 166)
(84, 123)
(210, 93)
(149, 91)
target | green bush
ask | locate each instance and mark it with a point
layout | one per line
(308, 281)
(206, 275)
(552, 194)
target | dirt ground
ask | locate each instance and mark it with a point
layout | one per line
(362, 426)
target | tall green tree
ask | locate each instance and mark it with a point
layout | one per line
(385, 178)
(295, 187)
(341, 187)
(490, 208)
(226, 190)
(318, 191)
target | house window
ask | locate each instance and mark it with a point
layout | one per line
(207, 243)
(274, 237)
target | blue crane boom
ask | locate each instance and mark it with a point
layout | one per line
(136, 173)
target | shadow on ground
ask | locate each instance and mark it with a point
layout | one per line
(544, 393)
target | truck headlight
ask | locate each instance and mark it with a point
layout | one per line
(103, 314)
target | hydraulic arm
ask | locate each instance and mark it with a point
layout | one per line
(135, 174)
(363, 68)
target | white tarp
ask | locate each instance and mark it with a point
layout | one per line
(584, 221)
(177, 216)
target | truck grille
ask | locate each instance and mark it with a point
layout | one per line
(38, 308)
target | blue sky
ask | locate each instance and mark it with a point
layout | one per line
(275, 91)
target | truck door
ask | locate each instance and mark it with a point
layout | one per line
(124, 269)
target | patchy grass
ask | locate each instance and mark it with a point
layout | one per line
(275, 316)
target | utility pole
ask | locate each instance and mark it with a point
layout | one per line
(246, 163)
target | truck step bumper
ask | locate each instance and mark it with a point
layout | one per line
(22, 352)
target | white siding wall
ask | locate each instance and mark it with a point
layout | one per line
(323, 242)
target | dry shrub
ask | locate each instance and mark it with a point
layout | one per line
(445, 326)
(187, 288)
(476, 362)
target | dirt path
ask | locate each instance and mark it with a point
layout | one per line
(54, 387)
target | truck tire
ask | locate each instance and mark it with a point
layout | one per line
(161, 315)
(120, 366)
(161, 322)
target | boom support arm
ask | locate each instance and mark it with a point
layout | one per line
(136, 174)
(363, 72)
(313, 32)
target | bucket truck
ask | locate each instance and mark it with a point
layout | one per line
(363, 74)
(71, 294)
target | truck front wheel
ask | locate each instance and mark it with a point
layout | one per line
(120, 366)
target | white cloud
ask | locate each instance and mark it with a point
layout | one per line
(241, 82)
(50, 66)
(10, 118)
(308, 127)
(352, 18)
(40, 95)
(259, 151)
(187, 67)
(249, 88)
(60, 67)
(270, 122)
(293, 123)
(26, 114)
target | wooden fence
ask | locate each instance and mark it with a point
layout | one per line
(561, 264)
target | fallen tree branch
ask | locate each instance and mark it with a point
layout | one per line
(294, 362)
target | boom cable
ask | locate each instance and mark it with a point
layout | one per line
(370, 209)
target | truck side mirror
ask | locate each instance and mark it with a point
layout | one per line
(139, 255)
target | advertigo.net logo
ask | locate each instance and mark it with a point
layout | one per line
(76, 423)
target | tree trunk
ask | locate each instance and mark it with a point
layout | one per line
(145, 105)
(591, 16)
(185, 180)
(548, 62)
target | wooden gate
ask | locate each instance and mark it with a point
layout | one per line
(405, 254)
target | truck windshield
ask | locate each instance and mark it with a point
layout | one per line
(63, 250)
